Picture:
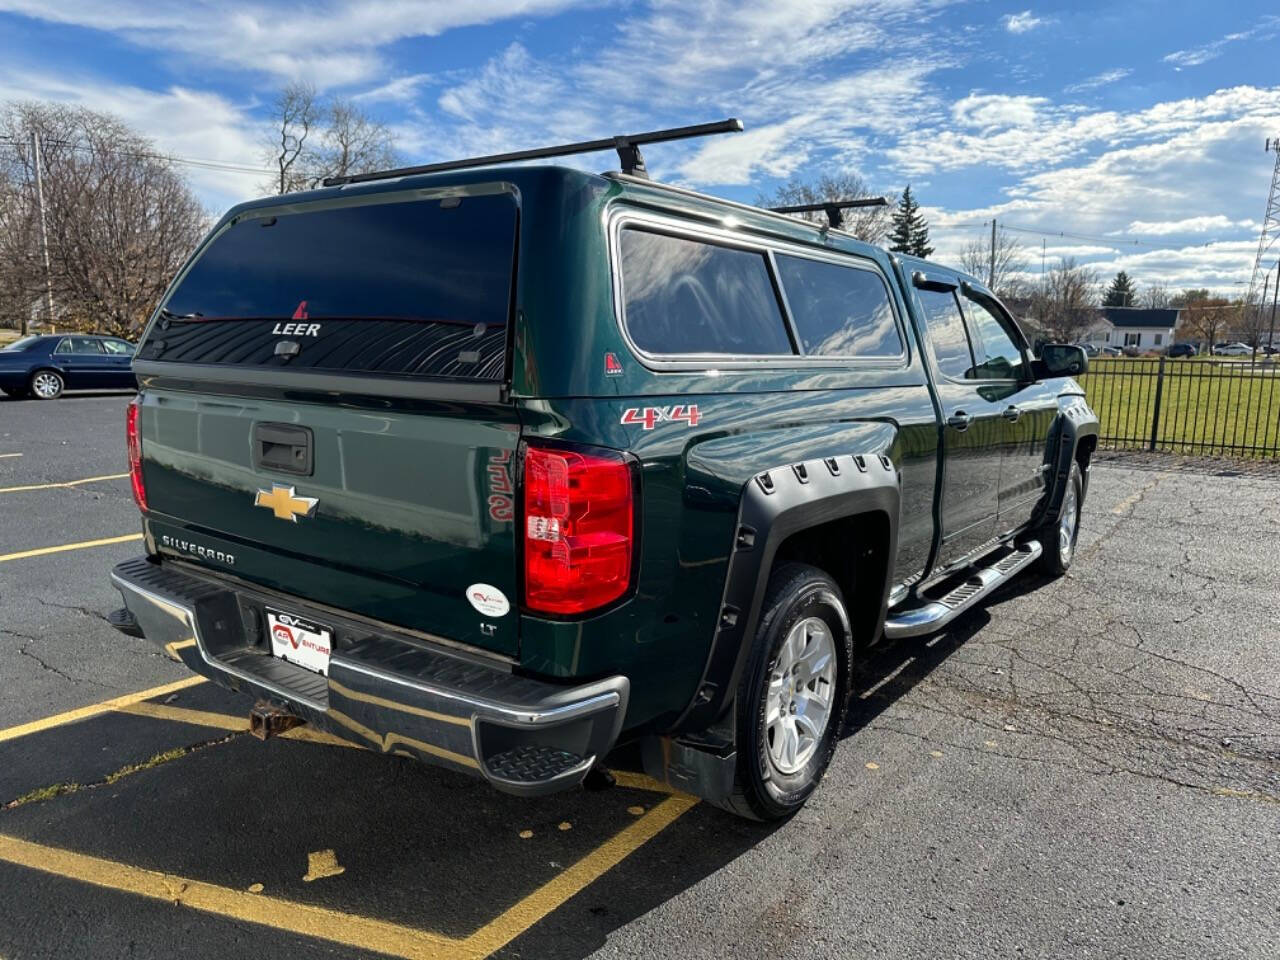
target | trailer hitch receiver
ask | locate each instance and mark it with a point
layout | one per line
(267, 720)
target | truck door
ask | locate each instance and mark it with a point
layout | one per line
(972, 428)
(1027, 408)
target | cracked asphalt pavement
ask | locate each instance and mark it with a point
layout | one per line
(1087, 767)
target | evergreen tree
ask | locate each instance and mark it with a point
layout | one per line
(910, 233)
(1121, 293)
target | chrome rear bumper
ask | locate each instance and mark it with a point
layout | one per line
(385, 691)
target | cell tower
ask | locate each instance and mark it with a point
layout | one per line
(1270, 239)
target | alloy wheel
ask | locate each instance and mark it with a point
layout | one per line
(799, 699)
(46, 385)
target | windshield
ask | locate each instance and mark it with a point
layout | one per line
(22, 343)
(406, 287)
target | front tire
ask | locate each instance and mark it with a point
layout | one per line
(1058, 537)
(46, 385)
(792, 698)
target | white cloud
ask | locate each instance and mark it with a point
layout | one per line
(1159, 228)
(1104, 79)
(771, 64)
(333, 43)
(1195, 56)
(1021, 22)
(990, 112)
(1025, 134)
(402, 89)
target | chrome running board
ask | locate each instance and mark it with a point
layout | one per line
(935, 614)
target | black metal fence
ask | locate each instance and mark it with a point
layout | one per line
(1192, 406)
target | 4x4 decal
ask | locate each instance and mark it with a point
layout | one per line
(650, 417)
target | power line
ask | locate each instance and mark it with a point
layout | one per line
(1112, 240)
(220, 165)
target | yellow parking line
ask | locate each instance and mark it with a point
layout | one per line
(174, 646)
(555, 893)
(351, 930)
(68, 483)
(82, 545)
(95, 709)
(299, 918)
(6, 456)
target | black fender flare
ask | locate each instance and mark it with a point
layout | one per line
(774, 505)
(1075, 422)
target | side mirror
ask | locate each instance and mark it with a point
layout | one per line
(1062, 360)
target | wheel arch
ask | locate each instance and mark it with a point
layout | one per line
(784, 512)
(1074, 440)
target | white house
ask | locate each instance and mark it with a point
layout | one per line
(1139, 327)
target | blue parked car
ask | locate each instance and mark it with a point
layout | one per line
(42, 366)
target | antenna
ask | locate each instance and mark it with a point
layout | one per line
(833, 208)
(627, 145)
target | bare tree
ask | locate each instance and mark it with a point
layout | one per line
(120, 221)
(866, 223)
(1156, 296)
(1066, 303)
(296, 114)
(314, 139)
(352, 142)
(1207, 318)
(1011, 261)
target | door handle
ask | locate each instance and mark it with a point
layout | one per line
(1012, 413)
(958, 421)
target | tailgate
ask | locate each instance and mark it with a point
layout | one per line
(411, 509)
(323, 411)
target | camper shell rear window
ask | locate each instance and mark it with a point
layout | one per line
(390, 284)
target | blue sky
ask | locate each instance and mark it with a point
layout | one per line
(1134, 127)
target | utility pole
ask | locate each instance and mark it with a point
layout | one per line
(991, 274)
(44, 231)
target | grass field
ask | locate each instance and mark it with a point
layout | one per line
(1205, 406)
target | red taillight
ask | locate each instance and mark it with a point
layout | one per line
(134, 440)
(578, 534)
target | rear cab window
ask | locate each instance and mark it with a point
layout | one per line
(392, 284)
(949, 338)
(839, 310)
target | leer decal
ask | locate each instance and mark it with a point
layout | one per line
(650, 417)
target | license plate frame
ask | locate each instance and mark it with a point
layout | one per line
(299, 640)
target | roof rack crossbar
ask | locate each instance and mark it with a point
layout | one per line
(833, 208)
(627, 145)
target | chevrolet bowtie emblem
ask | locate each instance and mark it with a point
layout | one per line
(285, 503)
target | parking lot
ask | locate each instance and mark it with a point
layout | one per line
(1089, 767)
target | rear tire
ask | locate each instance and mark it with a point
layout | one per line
(1058, 537)
(46, 385)
(793, 695)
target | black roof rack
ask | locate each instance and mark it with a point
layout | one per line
(833, 208)
(627, 145)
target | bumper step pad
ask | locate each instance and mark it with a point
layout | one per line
(533, 764)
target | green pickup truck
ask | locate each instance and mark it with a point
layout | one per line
(500, 467)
